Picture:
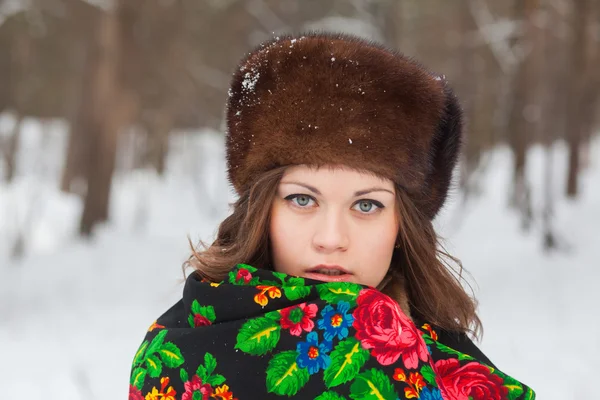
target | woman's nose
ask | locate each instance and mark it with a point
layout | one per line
(331, 234)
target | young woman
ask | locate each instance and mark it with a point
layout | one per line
(327, 281)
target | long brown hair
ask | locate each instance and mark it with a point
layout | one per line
(420, 267)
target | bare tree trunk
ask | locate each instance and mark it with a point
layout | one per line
(521, 126)
(113, 108)
(467, 88)
(78, 145)
(574, 114)
(399, 29)
(591, 91)
(548, 211)
(549, 236)
(12, 148)
(553, 54)
(159, 128)
(21, 60)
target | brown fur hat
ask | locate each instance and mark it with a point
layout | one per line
(339, 100)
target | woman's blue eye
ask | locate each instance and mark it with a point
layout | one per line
(301, 200)
(368, 206)
(365, 206)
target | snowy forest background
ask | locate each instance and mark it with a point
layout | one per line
(111, 155)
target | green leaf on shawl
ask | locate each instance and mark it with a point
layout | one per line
(154, 366)
(347, 359)
(530, 395)
(295, 288)
(295, 281)
(515, 389)
(448, 350)
(137, 378)
(280, 275)
(197, 395)
(258, 336)
(428, 375)
(210, 362)
(171, 355)
(254, 281)
(284, 377)
(195, 307)
(191, 320)
(139, 355)
(183, 375)
(274, 315)
(296, 292)
(156, 342)
(372, 384)
(268, 282)
(201, 372)
(330, 396)
(216, 380)
(207, 312)
(334, 292)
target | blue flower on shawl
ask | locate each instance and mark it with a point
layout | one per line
(335, 322)
(312, 354)
(431, 394)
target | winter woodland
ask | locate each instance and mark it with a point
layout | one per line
(112, 156)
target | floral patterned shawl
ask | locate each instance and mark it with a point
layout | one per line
(266, 335)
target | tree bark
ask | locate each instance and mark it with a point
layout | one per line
(522, 124)
(158, 128)
(575, 105)
(113, 107)
(78, 145)
(21, 53)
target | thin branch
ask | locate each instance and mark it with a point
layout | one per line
(502, 51)
(500, 30)
(264, 15)
(561, 6)
(361, 10)
(11, 7)
(205, 75)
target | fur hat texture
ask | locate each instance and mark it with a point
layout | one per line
(329, 99)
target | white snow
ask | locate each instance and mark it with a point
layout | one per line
(72, 312)
(250, 80)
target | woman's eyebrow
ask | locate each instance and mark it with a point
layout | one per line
(356, 194)
(375, 189)
(311, 188)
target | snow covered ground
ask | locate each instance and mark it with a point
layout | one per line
(72, 312)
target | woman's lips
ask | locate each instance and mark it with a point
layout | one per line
(328, 278)
(338, 273)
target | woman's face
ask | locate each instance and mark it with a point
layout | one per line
(333, 224)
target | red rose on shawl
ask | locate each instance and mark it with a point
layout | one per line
(134, 393)
(382, 327)
(471, 381)
(195, 385)
(200, 320)
(298, 318)
(243, 274)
